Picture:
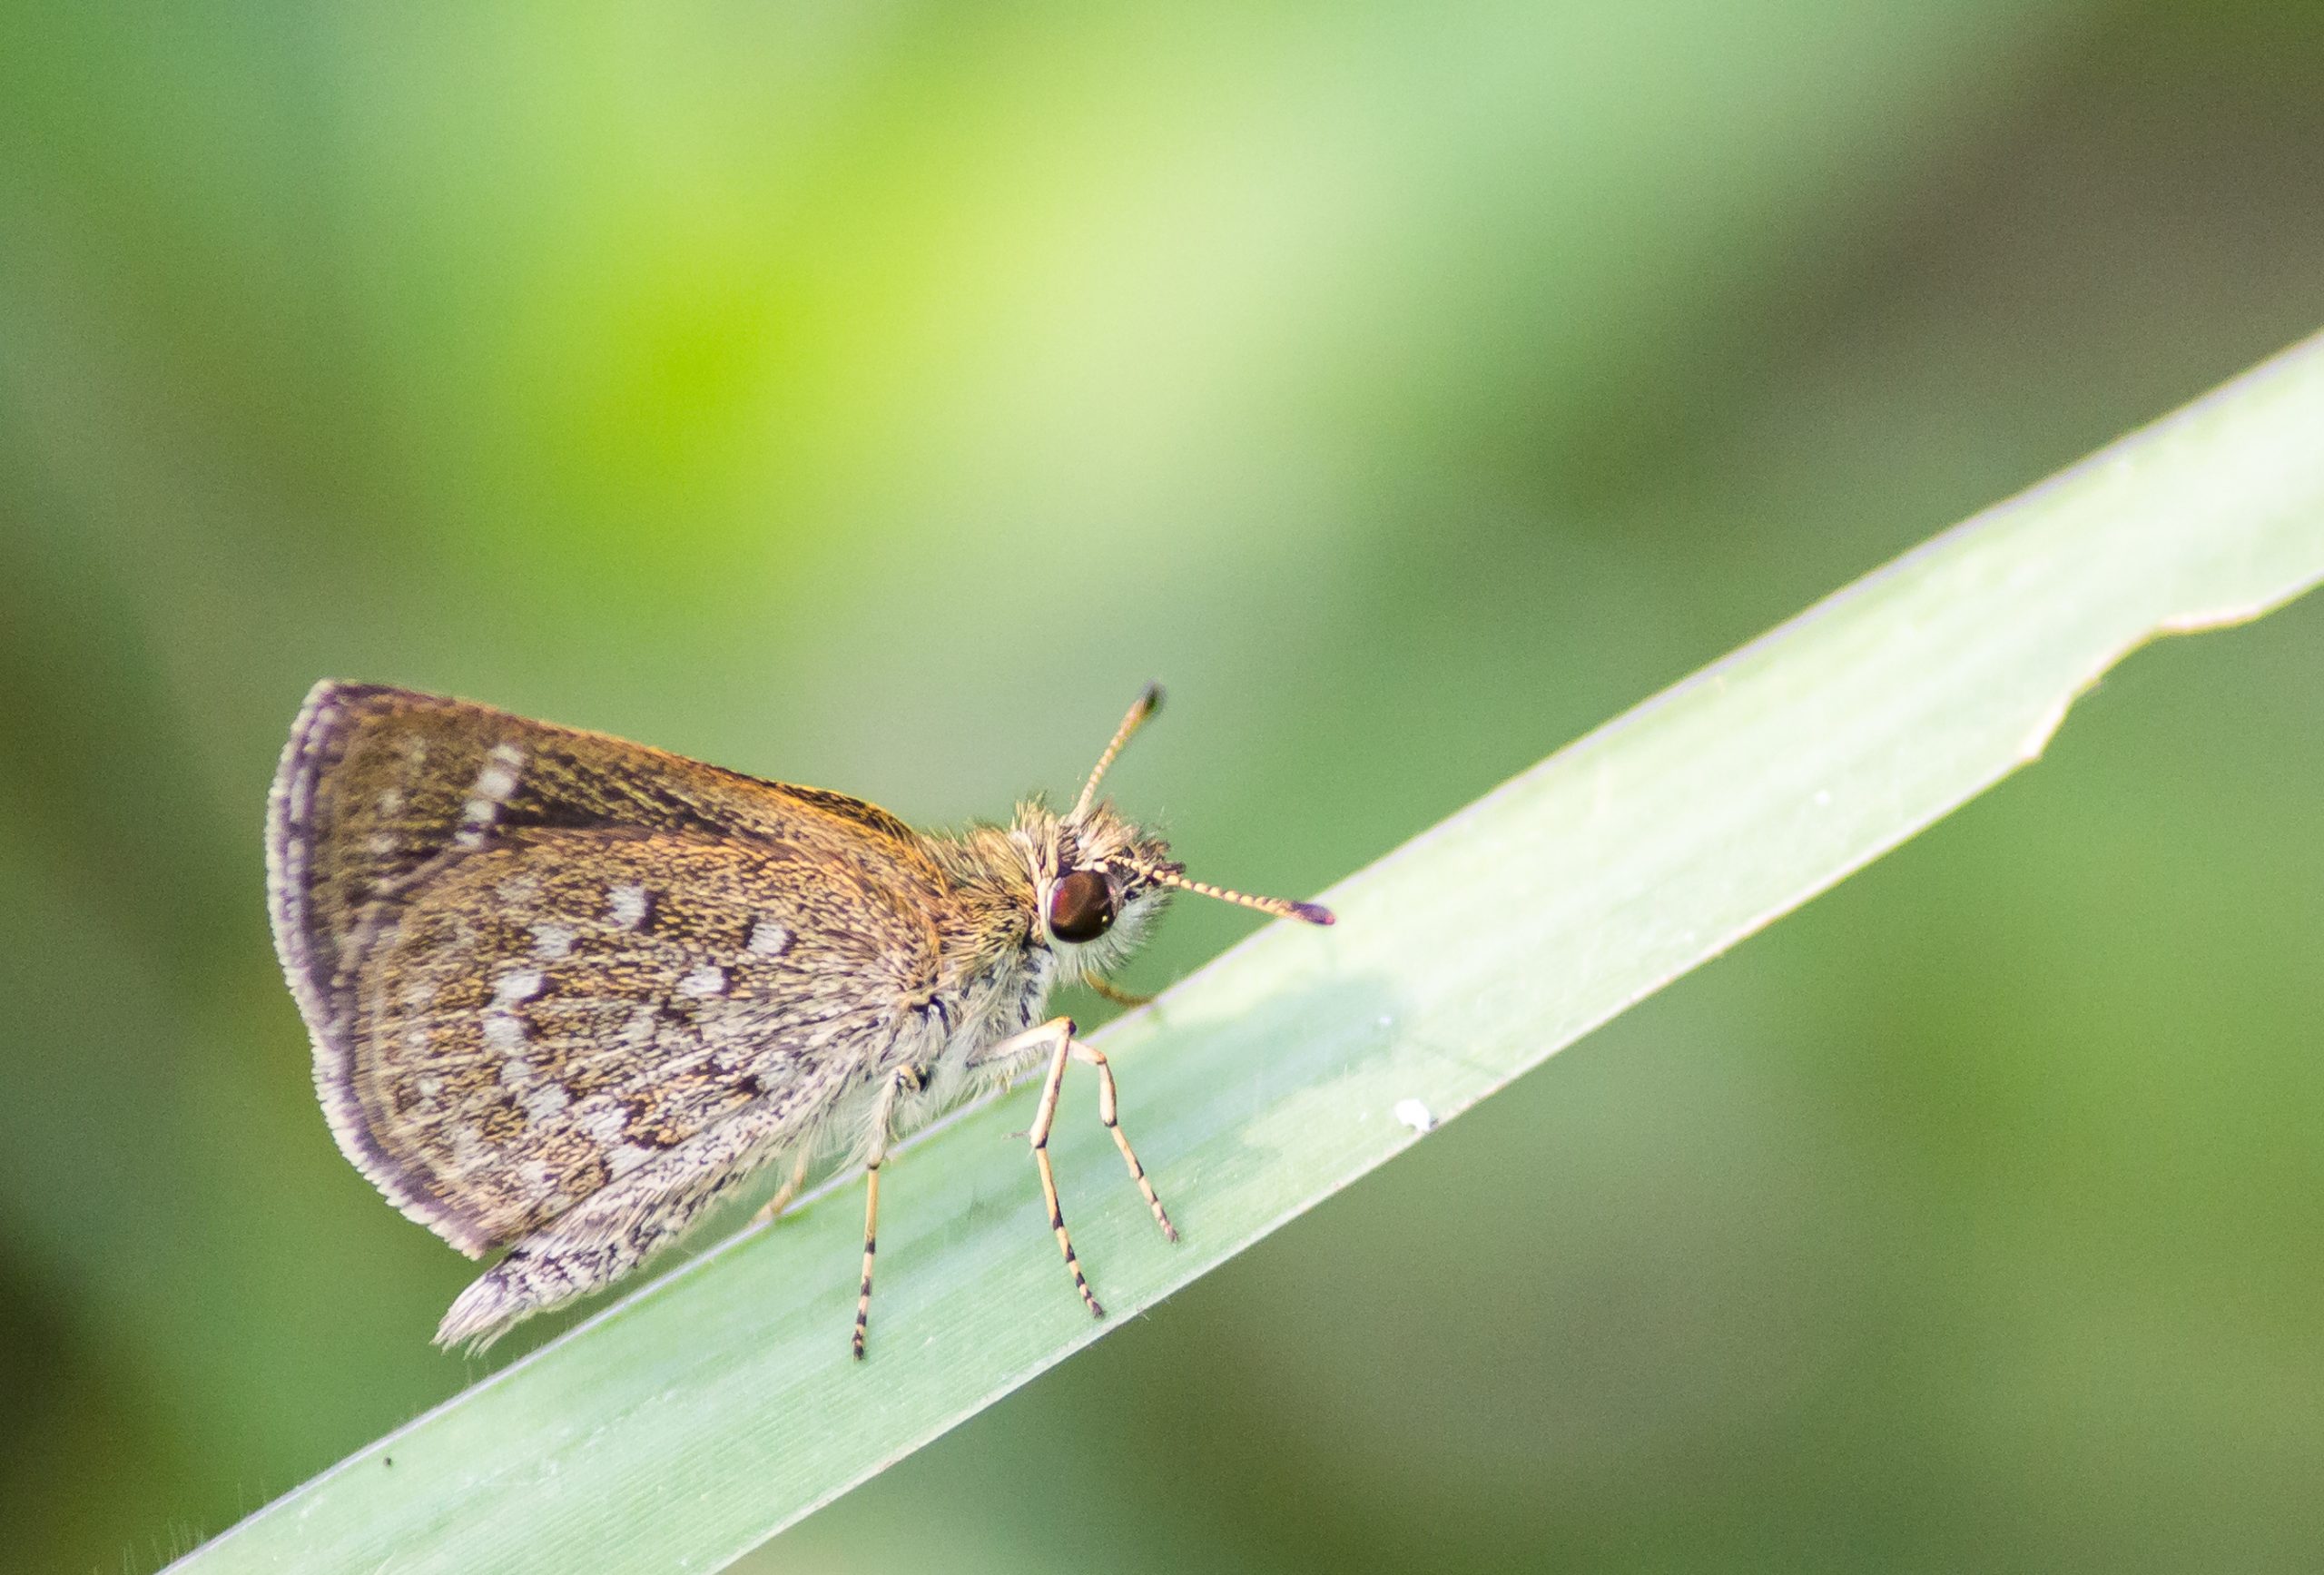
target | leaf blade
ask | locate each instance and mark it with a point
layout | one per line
(687, 1422)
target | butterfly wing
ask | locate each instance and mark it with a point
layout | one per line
(535, 962)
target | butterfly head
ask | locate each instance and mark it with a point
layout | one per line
(1101, 881)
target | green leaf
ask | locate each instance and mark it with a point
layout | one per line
(688, 1423)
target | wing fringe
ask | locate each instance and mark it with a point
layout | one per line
(310, 962)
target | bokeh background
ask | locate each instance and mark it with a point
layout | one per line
(875, 394)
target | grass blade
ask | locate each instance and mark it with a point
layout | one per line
(685, 1425)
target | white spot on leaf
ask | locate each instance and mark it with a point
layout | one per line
(1416, 1114)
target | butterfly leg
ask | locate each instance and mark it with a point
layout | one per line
(870, 1246)
(782, 1200)
(1107, 1114)
(908, 1080)
(1114, 993)
(1045, 1117)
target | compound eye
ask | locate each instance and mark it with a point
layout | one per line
(1082, 907)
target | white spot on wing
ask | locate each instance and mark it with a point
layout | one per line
(708, 980)
(601, 1118)
(518, 984)
(496, 782)
(769, 938)
(551, 940)
(628, 904)
(490, 789)
(542, 1102)
(504, 1030)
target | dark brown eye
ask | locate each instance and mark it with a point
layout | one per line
(1081, 908)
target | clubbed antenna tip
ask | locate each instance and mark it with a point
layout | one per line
(1148, 702)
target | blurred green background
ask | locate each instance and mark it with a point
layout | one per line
(874, 395)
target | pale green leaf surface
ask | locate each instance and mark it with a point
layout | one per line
(686, 1423)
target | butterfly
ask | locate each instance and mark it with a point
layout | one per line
(566, 991)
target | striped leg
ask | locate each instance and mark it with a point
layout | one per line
(1106, 1113)
(870, 1246)
(1045, 1117)
(882, 1119)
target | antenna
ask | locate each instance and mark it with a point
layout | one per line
(1148, 704)
(1281, 907)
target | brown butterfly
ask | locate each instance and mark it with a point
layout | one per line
(566, 991)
